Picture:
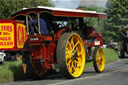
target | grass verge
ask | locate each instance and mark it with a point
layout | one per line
(110, 55)
(12, 71)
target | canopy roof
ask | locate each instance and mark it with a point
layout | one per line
(59, 12)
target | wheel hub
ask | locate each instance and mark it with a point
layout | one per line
(74, 55)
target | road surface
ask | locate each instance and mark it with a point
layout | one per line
(115, 73)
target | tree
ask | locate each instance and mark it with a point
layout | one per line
(8, 7)
(98, 24)
(117, 11)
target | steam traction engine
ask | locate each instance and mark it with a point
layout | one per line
(66, 47)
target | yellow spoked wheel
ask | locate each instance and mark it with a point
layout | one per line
(39, 70)
(98, 60)
(71, 55)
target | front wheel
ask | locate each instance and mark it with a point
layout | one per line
(98, 60)
(71, 55)
(2, 62)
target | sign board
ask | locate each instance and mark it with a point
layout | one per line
(6, 35)
(21, 35)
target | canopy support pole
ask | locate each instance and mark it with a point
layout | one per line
(39, 24)
(27, 24)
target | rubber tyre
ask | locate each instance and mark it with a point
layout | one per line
(8, 57)
(13, 58)
(2, 62)
(98, 60)
(71, 55)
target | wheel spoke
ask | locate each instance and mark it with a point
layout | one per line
(70, 69)
(76, 44)
(69, 65)
(99, 66)
(68, 57)
(76, 63)
(69, 62)
(72, 43)
(76, 49)
(79, 61)
(79, 53)
(73, 67)
(70, 47)
(98, 60)
(68, 52)
(98, 54)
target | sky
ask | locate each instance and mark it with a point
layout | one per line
(100, 3)
(73, 4)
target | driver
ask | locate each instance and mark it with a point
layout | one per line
(43, 25)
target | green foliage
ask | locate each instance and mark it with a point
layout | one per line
(11, 71)
(8, 7)
(94, 8)
(110, 55)
(117, 11)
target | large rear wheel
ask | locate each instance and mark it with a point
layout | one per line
(71, 55)
(98, 60)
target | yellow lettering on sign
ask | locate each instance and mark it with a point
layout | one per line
(6, 35)
(21, 35)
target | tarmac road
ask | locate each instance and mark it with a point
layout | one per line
(115, 74)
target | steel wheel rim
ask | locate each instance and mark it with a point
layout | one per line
(100, 59)
(75, 55)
